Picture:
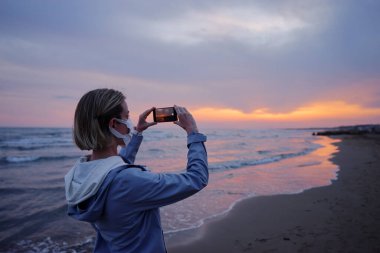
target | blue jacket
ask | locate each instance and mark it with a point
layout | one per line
(124, 209)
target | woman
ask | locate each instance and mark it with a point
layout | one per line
(119, 199)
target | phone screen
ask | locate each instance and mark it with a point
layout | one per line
(166, 114)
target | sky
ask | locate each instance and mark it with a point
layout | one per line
(246, 64)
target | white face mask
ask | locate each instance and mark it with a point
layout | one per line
(125, 137)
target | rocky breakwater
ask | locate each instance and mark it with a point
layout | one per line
(351, 130)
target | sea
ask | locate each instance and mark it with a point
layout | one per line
(243, 163)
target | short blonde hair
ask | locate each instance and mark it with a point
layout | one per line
(92, 115)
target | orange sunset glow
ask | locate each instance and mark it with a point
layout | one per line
(314, 111)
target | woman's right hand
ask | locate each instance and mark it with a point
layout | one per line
(142, 124)
(185, 120)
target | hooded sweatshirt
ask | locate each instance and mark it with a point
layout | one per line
(122, 201)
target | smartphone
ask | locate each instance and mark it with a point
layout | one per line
(166, 114)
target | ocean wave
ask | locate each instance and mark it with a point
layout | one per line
(264, 152)
(21, 190)
(156, 150)
(20, 159)
(34, 145)
(244, 163)
(34, 138)
(27, 159)
(50, 245)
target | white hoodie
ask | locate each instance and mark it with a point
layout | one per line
(85, 178)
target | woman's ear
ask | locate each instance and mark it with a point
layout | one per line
(112, 123)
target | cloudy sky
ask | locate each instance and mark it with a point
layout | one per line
(238, 63)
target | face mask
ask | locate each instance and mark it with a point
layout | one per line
(126, 137)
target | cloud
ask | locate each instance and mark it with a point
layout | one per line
(26, 82)
(246, 25)
(244, 55)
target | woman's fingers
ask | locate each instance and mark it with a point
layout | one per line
(185, 119)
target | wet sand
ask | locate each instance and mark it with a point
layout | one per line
(342, 217)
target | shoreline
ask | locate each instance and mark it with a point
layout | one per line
(343, 216)
(302, 180)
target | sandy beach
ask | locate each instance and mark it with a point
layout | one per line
(341, 217)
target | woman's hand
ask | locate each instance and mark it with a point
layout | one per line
(143, 124)
(185, 120)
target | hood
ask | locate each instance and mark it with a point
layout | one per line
(85, 178)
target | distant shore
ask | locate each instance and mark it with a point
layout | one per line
(342, 217)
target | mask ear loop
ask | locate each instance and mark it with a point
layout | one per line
(128, 123)
(116, 133)
(125, 137)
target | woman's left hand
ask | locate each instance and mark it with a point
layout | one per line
(143, 124)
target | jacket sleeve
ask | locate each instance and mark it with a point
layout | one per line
(129, 152)
(146, 190)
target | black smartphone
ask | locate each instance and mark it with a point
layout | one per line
(166, 114)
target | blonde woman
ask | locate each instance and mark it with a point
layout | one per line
(122, 200)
